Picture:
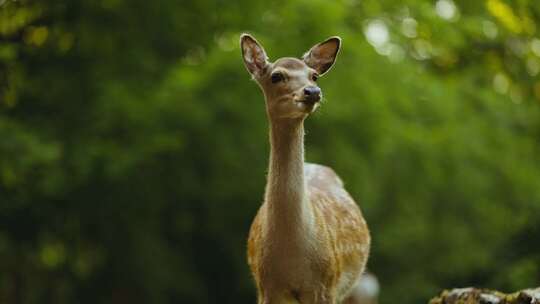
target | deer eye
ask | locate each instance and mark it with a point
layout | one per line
(277, 77)
(314, 77)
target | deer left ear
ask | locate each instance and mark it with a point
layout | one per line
(322, 56)
(255, 58)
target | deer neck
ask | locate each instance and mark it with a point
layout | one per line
(285, 196)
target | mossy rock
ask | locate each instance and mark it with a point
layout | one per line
(485, 296)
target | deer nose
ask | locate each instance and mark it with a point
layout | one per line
(312, 93)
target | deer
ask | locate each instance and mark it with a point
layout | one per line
(309, 242)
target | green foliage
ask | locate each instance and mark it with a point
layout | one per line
(133, 146)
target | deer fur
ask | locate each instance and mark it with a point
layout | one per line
(309, 242)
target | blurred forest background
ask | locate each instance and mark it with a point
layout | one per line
(133, 145)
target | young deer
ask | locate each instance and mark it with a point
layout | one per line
(309, 242)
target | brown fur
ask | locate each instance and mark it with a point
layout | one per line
(309, 242)
(343, 232)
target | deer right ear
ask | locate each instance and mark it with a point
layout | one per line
(255, 58)
(322, 56)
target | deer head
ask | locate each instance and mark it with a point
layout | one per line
(289, 84)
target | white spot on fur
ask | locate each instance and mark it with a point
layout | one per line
(368, 285)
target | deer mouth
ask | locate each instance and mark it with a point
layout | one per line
(311, 101)
(308, 105)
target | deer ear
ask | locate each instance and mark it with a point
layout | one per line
(255, 58)
(322, 56)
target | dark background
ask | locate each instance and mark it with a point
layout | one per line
(133, 144)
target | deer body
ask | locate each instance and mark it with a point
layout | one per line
(309, 242)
